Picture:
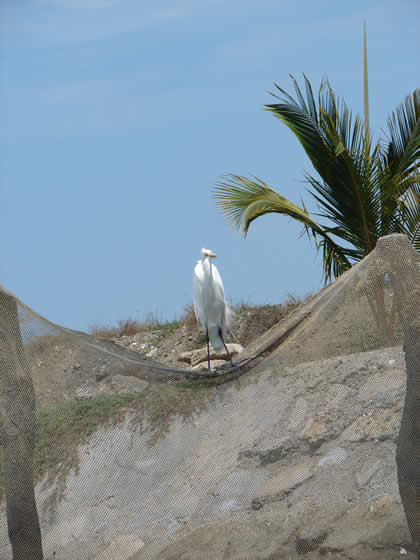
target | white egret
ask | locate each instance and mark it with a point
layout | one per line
(210, 307)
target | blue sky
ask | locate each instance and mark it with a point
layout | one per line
(119, 117)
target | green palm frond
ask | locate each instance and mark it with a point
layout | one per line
(407, 216)
(365, 190)
(242, 200)
(335, 142)
(403, 150)
(303, 120)
(398, 165)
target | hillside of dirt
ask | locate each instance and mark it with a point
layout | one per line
(295, 459)
(283, 463)
(167, 345)
(62, 370)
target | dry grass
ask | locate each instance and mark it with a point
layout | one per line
(125, 327)
(290, 303)
(129, 327)
(189, 320)
(254, 320)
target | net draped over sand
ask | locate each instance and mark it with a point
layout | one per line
(307, 448)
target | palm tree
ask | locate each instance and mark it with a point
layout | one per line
(364, 190)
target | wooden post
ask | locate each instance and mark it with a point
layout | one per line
(17, 437)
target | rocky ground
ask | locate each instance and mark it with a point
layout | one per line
(176, 347)
(286, 462)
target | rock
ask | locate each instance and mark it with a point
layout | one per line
(200, 355)
(378, 424)
(281, 465)
(318, 430)
(257, 503)
(101, 372)
(202, 366)
(185, 356)
(152, 352)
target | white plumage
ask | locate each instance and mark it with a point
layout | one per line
(210, 307)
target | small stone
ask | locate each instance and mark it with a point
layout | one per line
(101, 373)
(318, 429)
(200, 355)
(203, 367)
(257, 503)
(378, 425)
(185, 357)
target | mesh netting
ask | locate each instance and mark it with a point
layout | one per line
(306, 448)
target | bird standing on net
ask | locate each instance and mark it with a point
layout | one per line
(210, 307)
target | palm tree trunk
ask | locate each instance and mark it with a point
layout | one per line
(18, 436)
(403, 264)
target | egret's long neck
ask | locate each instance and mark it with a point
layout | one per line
(208, 259)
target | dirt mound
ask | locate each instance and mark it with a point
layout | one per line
(293, 451)
(166, 345)
(285, 461)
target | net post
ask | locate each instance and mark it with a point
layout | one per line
(403, 266)
(17, 435)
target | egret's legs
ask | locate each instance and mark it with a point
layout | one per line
(227, 351)
(208, 348)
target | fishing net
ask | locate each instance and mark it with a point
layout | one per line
(306, 448)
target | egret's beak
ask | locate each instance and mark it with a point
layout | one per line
(212, 254)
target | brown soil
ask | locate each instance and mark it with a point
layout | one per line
(165, 345)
